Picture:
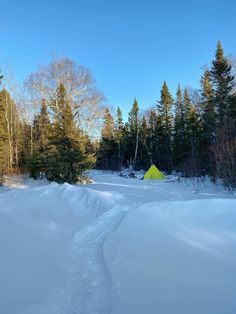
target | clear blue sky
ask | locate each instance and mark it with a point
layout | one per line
(130, 46)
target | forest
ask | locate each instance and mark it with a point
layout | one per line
(60, 126)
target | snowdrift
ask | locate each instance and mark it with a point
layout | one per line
(117, 246)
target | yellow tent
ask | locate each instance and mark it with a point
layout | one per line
(153, 174)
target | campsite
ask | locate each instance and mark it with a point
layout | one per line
(117, 157)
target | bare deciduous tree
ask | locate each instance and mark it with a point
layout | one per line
(84, 97)
(11, 93)
(225, 154)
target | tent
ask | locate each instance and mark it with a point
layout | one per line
(153, 174)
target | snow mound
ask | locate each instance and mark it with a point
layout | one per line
(117, 246)
(39, 224)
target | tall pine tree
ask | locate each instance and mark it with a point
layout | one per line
(119, 134)
(208, 124)
(67, 158)
(223, 83)
(107, 152)
(179, 142)
(42, 130)
(165, 138)
(133, 135)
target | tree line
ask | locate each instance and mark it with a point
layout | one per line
(193, 133)
(48, 137)
(55, 135)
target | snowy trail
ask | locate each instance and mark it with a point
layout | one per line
(117, 246)
(91, 281)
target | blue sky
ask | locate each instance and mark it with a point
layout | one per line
(130, 46)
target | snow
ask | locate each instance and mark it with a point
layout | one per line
(117, 246)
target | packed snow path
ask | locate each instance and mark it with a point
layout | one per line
(91, 279)
(117, 246)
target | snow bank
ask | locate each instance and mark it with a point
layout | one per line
(38, 226)
(117, 246)
(176, 257)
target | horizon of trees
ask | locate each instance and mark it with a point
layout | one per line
(192, 133)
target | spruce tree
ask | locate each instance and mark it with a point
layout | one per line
(107, 152)
(144, 161)
(41, 133)
(208, 107)
(134, 129)
(187, 103)
(119, 136)
(165, 132)
(67, 158)
(179, 142)
(208, 124)
(192, 164)
(152, 137)
(223, 83)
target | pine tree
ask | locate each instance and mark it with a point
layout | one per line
(107, 152)
(119, 136)
(144, 161)
(41, 132)
(223, 83)
(187, 103)
(134, 128)
(25, 142)
(152, 137)
(165, 132)
(67, 158)
(192, 165)
(179, 142)
(208, 124)
(208, 107)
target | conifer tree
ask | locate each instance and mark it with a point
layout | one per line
(179, 142)
(223, 83)
(24, 146)
(41, 133)
(67, 158)
(208, 123)
(192, 166)
(187, 104)
(134, 128)
(144, 161)
(165, 132)
(119, 136)
(152, 137)
(208, 107)
(107, 153)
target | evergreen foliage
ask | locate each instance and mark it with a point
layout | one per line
(66, 157)
(223, 83)
(179, 138)
(193, 134)
(133, 131)
(107, 157)
(165, 128)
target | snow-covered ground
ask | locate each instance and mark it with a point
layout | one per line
(117, 246)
